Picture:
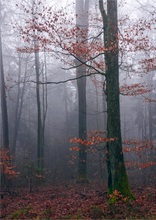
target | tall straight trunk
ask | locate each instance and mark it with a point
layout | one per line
(4, 180)
(150, 105)
(44, 94)
(82, 169)
(5, 126)
(19, 105)
(82, 7)
(66, 110)
(16, 123)
(117, 176)
(150, 120)
(40, 134)
(40, 116)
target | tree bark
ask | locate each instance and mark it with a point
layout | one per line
(19, 105)
(5, 181)
(117, 176)
(40, 116)
(82, 25)
(5, 126)
(40, 134)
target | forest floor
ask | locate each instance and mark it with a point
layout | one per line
(76, 202)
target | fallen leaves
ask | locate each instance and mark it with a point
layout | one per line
(67, 202)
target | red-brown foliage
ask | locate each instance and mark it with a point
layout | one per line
(6, 166)
(77, 202)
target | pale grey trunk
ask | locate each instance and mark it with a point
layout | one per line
(40, 134)
(82, 7)
(19, 104)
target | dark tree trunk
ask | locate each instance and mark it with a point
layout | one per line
(117, 177)
(5, 126)
(4, 180)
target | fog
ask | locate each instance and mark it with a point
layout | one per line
(59, 99)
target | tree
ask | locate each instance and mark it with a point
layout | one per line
(40, 129)
(117, 177)
(5, 125)
(40, 135)
(82, 8)
(19, 101)
(3, 96)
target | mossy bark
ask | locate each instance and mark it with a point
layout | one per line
(117, 176)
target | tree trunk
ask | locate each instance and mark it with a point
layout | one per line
(5, 126)
(117, 177)
(19, 105)
(82, 7)
(40, 116)
(4, 180)
(40, 134)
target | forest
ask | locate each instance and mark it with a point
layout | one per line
(78, 109)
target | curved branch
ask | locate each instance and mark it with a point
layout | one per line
(99, 71)
(68, 80)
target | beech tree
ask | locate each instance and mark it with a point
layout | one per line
(40, 133)
(117, 177)
(19, 101)
(5, 181)
(82, 8)
(3, 95)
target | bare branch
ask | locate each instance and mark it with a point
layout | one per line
(98, 70)
(68, 80)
